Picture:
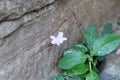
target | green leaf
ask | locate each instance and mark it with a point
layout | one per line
(91, 34)
(74, 78)
(118, 23)
(95, 62)
(58, 76)
(92, 76)
(78, 70)
(68, 78)
(107, 29)
(95, 69)
(105, 45)
(101, 58)
(72, 59)
(81, 48)
(68, 51)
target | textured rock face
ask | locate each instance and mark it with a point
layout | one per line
(26, 26)
(111, 67)
(11, 9)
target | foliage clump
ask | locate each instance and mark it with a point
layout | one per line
(79, 62)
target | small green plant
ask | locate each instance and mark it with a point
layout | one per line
(79, 62)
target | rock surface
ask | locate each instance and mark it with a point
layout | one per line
(25, 28)
(11, 9)
(111, 67)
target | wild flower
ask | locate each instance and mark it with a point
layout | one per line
(59, 39)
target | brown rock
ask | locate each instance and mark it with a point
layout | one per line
(25, 28)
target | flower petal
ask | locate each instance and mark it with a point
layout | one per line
(59, 39)
(52, 37)
(58, 44)
(53, 42)
(64, 38)
(60, 35)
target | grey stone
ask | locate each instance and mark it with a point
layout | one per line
(111, 67)
(11, 9)
(27, 53)
(1, 42)
(8, 27)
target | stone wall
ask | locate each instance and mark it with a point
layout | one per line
(26, 25)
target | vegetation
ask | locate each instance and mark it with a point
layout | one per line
(79, 62)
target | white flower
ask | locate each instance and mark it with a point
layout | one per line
(59, 39)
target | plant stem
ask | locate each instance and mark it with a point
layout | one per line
(90, 66)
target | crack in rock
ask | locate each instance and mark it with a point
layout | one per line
(9, 26)
(13, 9)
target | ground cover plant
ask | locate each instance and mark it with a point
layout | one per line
(80, 61)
